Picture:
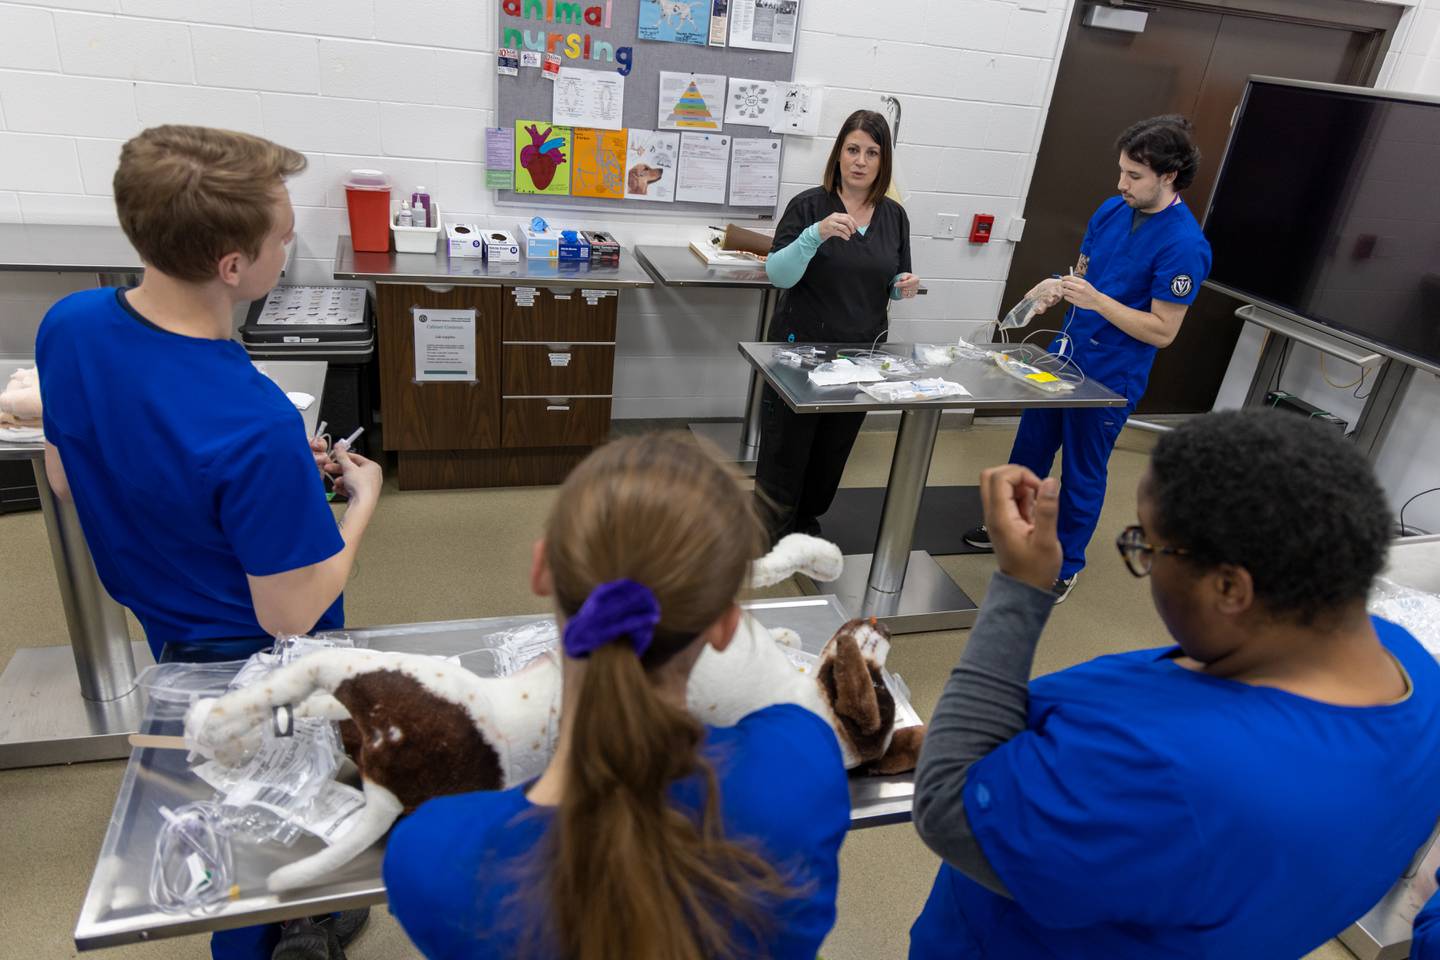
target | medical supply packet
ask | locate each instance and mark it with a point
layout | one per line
(929, 389)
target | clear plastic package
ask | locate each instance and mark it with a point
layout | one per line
(844, 371)
(172, 687)
(513, 650)
(193, 870)
(794, 356)
(938, 354)
(1415, 610)
(929, 389)
(282, 779)
(1032, 375)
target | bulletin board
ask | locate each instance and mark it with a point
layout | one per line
(529, 95)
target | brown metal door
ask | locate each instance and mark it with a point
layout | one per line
(1192, 60)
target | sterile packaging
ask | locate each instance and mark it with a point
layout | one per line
(1031, 375)
(500, 247)
(515, 649)
(799, 356)
(271, 793)
(172, 687)
(937, 354)
(193, 870)
(929, 389)
(838, 372)
(890, 366)
(464, 240)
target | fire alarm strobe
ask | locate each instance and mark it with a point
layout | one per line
(980, 228)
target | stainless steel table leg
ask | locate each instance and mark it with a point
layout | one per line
(750, 432)
(904, 588)
(104, 663)
(1272, 360)
(909, 467)
(741, 441)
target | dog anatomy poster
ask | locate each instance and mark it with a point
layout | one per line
(650, 165)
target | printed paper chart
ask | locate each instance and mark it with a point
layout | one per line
(691, 101)
(542, 158)
(599, 169)
(753, 103)
(675, 21)
(650, 165)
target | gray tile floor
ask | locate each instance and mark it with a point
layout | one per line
(447, 554)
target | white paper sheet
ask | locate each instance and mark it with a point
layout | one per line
(752, 103)
(799, 110)
(589, 98)
(704, 161)
(754, 172)
(651, 159)
(764, 24)
(691, 101)
(444, 344)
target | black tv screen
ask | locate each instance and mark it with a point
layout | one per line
(1327, 208)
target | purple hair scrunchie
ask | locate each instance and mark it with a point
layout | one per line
(620, 608)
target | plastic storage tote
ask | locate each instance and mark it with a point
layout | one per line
(418, 239)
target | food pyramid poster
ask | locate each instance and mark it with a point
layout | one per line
(691, 112)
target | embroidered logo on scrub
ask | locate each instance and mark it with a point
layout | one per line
(1181, 285)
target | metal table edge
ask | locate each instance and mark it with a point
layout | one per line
(716, 284)
(344, 255)
(877, 406)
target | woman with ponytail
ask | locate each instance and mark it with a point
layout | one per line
(650, 836)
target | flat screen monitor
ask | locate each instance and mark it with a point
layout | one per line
(1327, 210)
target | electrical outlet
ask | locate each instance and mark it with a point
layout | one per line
(947, 226)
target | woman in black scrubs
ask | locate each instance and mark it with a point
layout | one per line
(841, 254)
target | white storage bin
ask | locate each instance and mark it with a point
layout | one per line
(417, 239)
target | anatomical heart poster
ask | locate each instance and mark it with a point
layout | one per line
(542, 158)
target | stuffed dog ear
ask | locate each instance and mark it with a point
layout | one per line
(855, 696)
(902, 755)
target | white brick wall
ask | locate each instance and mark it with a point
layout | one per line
(1410, 460)
(408, 86)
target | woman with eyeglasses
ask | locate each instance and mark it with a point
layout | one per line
(1244, 792)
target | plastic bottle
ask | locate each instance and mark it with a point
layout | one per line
(420, 200)
(406, 217)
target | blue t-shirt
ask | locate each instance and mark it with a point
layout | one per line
(1152, 811)
(451, 866)
(189, 468)
(1426, 942)
(1167, 258)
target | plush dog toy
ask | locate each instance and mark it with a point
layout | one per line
(428, 727)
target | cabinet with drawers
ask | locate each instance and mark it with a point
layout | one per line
(545, 361)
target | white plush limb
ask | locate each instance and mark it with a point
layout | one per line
(321, 705)
(382, 809)
(798, 553)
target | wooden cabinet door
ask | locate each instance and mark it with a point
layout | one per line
(557, 369)
(438, 415)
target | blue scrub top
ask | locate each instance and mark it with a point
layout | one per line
(189, 468)
(452, 865)
(1152, 811)
(1167, 258)
(1426, 945)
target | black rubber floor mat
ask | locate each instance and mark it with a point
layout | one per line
(945, 514)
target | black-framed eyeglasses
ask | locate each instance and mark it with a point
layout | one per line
(1138, 555)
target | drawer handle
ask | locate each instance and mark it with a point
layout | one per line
(560, 407)
(439, 287)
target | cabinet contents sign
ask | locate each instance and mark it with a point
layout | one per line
(444, 344)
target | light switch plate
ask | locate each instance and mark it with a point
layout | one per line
(947, 226)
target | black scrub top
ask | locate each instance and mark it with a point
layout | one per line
(844, 295)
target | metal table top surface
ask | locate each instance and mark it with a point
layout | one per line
(679, 267)
(303, 376)
(439, 268)
(68, 248)
(989, 386)
(117, 906)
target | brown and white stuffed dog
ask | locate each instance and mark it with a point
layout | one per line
(429, 727)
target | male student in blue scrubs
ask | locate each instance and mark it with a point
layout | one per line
(1141, 265)
(1244, 793)
(195, 483)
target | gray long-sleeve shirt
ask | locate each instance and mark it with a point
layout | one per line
(983, 705)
